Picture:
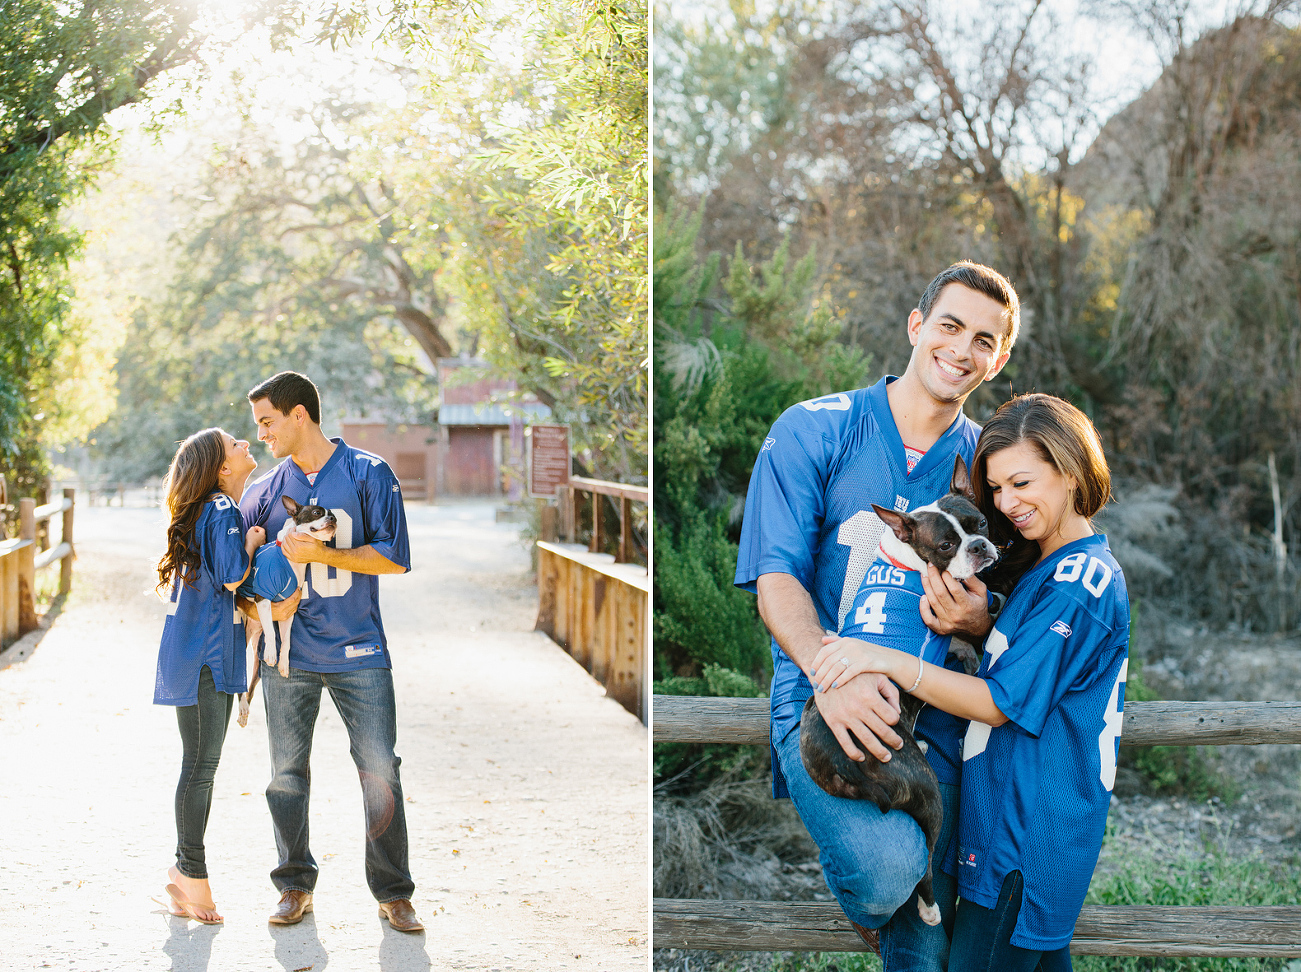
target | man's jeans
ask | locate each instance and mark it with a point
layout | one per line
(872, 863)
(365, 701)
(982, 937)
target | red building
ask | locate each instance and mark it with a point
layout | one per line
(475, 449)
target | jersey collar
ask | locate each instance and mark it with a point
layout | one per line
(940, 451)
(335, 457)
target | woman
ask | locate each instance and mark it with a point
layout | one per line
(1039, 759)
(201, 656)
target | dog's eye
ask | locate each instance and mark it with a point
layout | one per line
(947, 545)
(983, 523)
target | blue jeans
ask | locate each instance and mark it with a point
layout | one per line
(982, 937)
(364, 699)
(908, 944)
(871, 860)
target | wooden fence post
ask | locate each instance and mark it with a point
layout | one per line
(597, 524)
(27, 566)
(625, 530)
(65, 566)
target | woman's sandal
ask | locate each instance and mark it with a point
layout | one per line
(189, 907)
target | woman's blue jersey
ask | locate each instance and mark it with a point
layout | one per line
(202, 625)
(1035, 790)
(808, 511)
(337, 627)
(887, 612)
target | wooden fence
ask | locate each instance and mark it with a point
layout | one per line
(592, 604)
(20, 559)
(1100, 930)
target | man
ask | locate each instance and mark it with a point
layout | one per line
(808, 536)
(338, 641)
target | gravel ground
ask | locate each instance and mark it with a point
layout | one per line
(526, 788)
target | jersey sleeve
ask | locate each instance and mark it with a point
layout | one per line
(225, 558)
(386, 517)
(784, 504)
(1059, 645)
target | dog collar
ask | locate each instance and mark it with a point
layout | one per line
(896, 563)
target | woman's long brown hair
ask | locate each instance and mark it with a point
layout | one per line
(192, 478)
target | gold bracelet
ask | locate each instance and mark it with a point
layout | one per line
(920, 664)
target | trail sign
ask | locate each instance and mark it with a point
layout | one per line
(549, 460)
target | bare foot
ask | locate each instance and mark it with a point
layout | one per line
(197, 893)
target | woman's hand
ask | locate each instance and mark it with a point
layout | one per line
(843, 658)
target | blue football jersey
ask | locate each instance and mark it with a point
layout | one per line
(887, 612)
(337, 627)
(1035, 790)
(272, 575)
(808, 511)
(202, 626)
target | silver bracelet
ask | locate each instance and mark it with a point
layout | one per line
(920, 664)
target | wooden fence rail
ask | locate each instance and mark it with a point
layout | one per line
(1273, 932)
(20, 559)
(571, 495)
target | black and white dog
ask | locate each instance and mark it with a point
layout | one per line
(952, 534)
(273, 578)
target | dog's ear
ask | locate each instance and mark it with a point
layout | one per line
(961, 482)
(291, 505)
(901, 523)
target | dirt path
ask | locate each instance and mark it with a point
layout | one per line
(526, 787)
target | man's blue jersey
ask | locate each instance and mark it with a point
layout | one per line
(887, 612)
(272, 575)
(808, 511)
(337, 627)
(202, 625)
(1035, 790)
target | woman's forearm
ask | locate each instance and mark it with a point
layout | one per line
(964, 696)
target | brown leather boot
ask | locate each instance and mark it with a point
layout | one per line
(871, 938)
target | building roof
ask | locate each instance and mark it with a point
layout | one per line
(487, 413)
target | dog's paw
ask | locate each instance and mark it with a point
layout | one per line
(243, 711)
(924, 746)
(283, 669)
(930, 913)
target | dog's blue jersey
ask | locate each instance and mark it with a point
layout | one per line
(337, 627)
(1035, 790)
(887, 612)
(272, 576)
(202, 626)
(808, 511)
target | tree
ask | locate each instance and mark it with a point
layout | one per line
(731, 355)
(63, 68)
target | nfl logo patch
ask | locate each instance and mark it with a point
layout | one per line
(768, 443)
(900, 504)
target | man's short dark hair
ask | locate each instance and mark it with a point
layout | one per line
(982, 279)
(286, 390)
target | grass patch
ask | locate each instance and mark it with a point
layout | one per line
(1213, 877)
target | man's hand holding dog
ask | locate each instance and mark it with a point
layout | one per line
(866, 706)
(954, 606)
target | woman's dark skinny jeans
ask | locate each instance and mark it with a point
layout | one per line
(203, 731)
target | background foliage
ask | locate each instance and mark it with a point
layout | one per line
(1150, 229)
(372, 188)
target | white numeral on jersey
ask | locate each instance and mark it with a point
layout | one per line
(861, 533)
(1096, 578)
(1111, 725)
(318, 575)
(832, 403)
(870, 613)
